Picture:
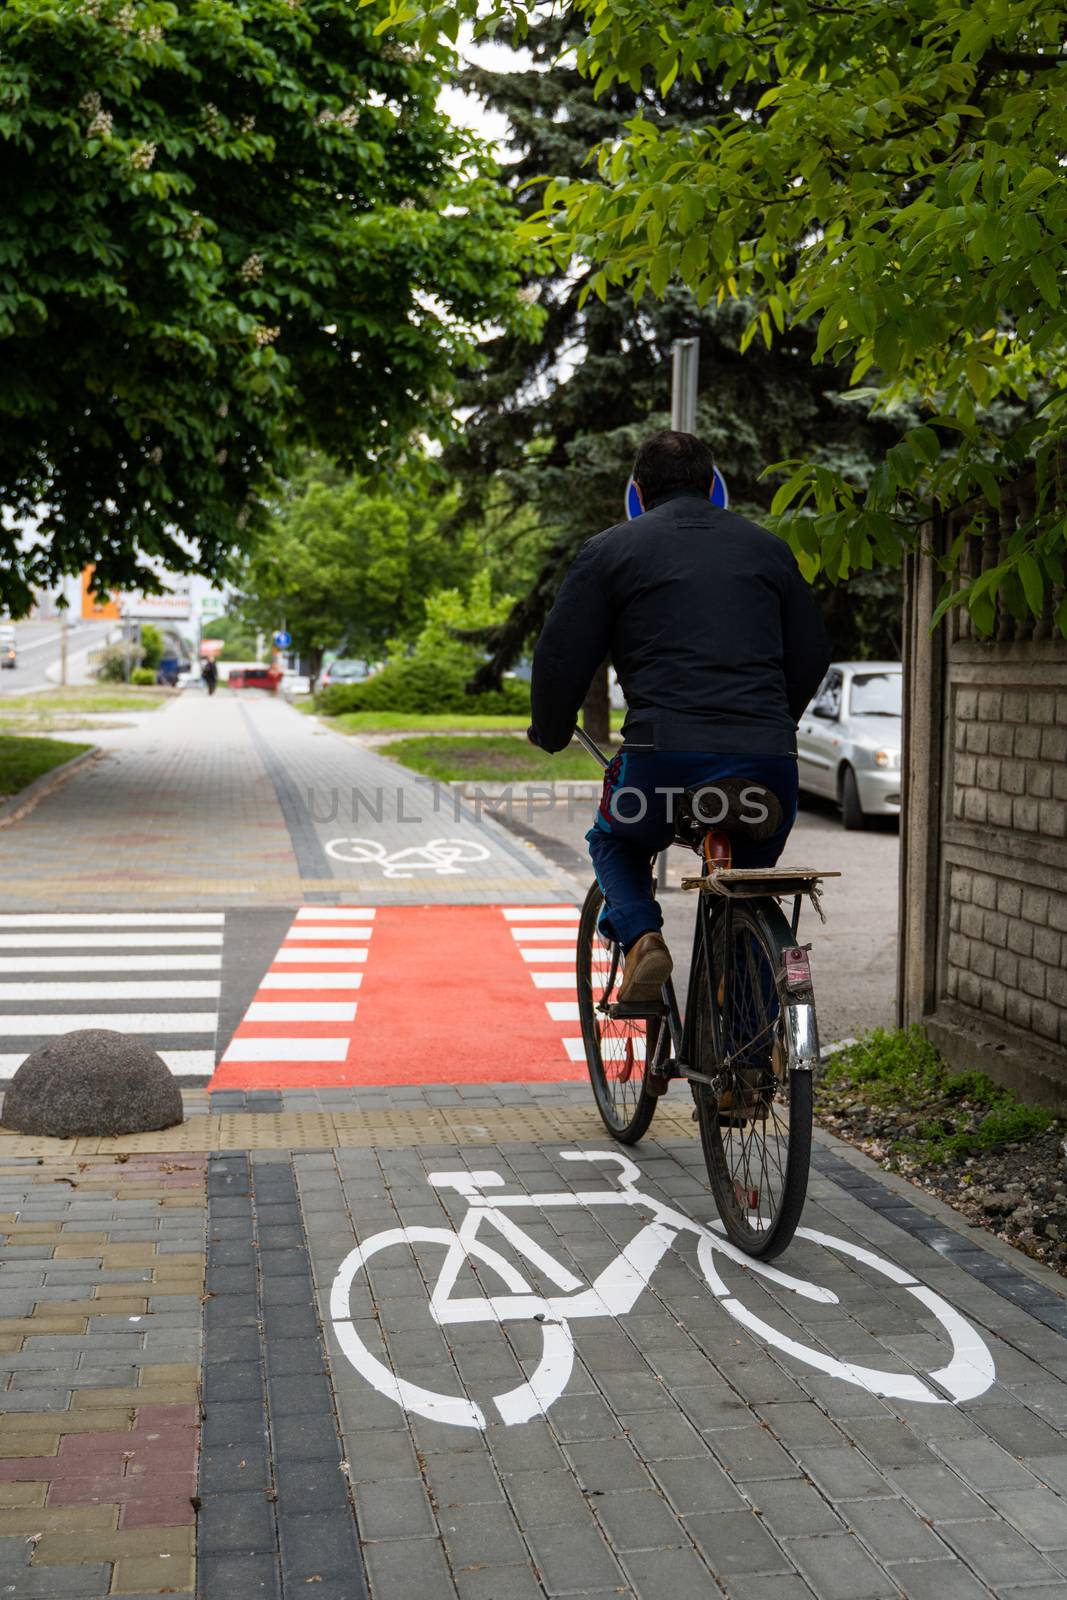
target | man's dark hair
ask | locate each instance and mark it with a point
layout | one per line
(667, 460)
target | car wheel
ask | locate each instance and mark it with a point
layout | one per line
(852, 814)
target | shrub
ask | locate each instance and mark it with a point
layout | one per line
(151, 647)
(111, 667)
(424, 686)
(143, 675)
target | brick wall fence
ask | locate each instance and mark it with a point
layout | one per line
(983, 947)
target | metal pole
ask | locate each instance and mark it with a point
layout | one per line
(685, 373)
(63, 650)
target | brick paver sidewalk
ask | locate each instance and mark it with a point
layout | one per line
(234, 801)
(169, 1355)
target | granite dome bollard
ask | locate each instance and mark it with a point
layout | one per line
(92, 1081)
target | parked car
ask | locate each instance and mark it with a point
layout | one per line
(9, 655)
(344, 670)
(848, 740)
(255, 678)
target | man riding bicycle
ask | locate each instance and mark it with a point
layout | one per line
(718, 646)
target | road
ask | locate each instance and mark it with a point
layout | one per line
(854, 952)
(249, 1355)
(39, 645)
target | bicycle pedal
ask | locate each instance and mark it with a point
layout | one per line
(657, 1083)
(622, 1011)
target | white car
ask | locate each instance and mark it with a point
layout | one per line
(848, 740)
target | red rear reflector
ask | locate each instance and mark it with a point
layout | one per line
(797, 969)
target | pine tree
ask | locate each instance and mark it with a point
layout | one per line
(558, 422)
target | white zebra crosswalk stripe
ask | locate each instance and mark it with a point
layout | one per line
(107, 919)
(539, 932)
(61, 972)
(313, 968)
(128, 963)
(121, 989)
(110, 941)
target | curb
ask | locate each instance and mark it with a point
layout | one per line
(20, 805)
(941, 1211)
(559, 788)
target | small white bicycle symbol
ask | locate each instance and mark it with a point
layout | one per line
(439, 856)
(615, 1292)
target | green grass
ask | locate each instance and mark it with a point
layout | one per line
(503, 759)
(22, 760)
(424, 722)
(428, 722)
(88, 699)
(899, 1069)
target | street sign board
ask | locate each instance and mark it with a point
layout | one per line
(719, 496)
(282, 640)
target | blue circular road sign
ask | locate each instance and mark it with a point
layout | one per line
(718, 497)
(283, 640)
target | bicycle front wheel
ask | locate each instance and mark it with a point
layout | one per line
(755, 1125)
(616, 1051)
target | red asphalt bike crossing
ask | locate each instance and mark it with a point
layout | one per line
(379, 995)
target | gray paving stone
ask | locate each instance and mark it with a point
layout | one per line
(778, 1587)
(696, 1485)
(462, 1478)
(481, 1535)
(248, 1577)
(1038, 1514)
(938, 1493)
(844, 1474)
(638, 1519)
(50, 1399)
(791, 1506)
(1020, 1430)
(678, 1573)
(573, 1557)
(542, 1499)
(736, 1541)
(238, 1523)
(751, 1454)
(606, 1464)
(998, 1554)
(941, 1580)
(662, 1435)
(376, 1454)
(889, 1442)
(801, 1423)
(397, 1508)
(892, 1531)
(499, 1583)
(984, 1464)
(838, 1568)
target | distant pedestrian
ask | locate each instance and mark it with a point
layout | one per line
(209, 672)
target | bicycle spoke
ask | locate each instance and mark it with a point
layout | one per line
(747, 1120)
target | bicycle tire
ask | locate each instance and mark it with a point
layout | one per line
(730, 1138)
(626, 1107)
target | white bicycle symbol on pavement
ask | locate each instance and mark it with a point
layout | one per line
(443, 857)
(614, 1293)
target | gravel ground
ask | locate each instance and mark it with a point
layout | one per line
(1017, 1190)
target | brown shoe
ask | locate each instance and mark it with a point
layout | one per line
(646, 967)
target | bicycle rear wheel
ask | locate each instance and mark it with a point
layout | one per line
(616, 1051)
(756, 1125)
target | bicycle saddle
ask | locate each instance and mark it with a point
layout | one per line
(737, 807)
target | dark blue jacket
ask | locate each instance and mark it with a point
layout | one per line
(714, 634)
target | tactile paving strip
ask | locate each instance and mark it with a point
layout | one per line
(394, 1129)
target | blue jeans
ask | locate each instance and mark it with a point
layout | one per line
(635, 821)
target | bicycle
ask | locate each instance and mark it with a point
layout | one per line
(614, 1293)
(749, 1042)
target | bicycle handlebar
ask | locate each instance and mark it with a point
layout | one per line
(593, 749)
